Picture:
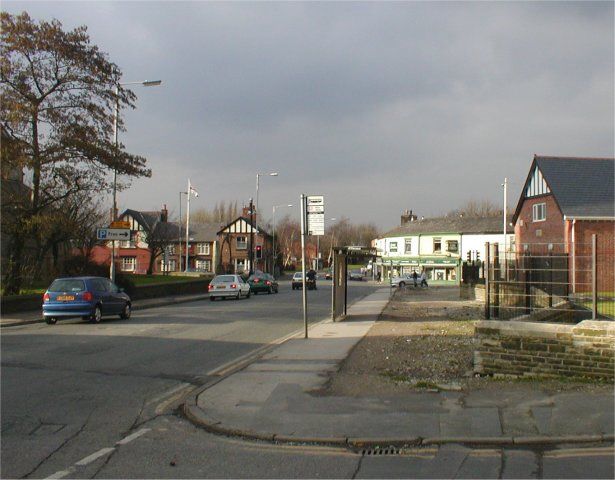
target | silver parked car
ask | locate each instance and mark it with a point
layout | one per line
(233, 286)
(402, 280)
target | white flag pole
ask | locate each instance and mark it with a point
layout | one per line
(188, 223)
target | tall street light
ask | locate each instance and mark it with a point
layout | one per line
(274, 252)
(145, 83)
(258, 175)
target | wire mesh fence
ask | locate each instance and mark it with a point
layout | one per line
(552, 282)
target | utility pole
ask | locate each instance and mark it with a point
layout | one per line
(505, 185)
(251, 253)
(304, 289)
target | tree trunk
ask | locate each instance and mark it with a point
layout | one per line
(12, 279)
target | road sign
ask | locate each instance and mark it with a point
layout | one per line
(119, 224)
(113, 234)
(315, 209)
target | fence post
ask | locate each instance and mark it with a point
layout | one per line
(550, 278)
(527, 263)
(487, 283)
(497, 277)
(594, 277)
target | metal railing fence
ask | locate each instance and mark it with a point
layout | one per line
(551, 282)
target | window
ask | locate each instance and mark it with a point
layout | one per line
(129, 264)
(203, 265)
(171, 250)
(437, 245)
(393, 247)
(169, 266)
(203, 248)
(100, 285)
(408, 245)
(242, 243)
(452, 246)
(539, 212)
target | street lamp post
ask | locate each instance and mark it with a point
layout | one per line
(145, 83)
(258, 175)
(179, 240)
(274, 252)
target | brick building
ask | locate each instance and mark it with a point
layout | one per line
(235, 244)
(565, 200)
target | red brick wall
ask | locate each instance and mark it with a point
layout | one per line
(552, 230)
(605, 255)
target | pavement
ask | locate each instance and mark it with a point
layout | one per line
(278, 397)
(35, 316)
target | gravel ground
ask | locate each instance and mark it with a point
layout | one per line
(425, 340)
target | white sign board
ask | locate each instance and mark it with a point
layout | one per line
(315, 207)
(113, 233)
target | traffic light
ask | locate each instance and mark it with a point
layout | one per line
(469, 256)
(477, 256)
(259, 252)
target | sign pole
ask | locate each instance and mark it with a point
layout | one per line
(303, 213)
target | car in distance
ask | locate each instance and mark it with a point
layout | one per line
(263, 282)
(402, 280)
(355, 275)
(225, 286)
(297, 282)
(90, 298)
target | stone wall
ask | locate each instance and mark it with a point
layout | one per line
(524, 349)
(472, 292)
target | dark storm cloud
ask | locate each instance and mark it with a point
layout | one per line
(380, 106)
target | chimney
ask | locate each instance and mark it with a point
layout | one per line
(407, 217)
(164, 214)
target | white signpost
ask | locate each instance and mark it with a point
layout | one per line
(315, 209)
(113, 233)
(312, 214)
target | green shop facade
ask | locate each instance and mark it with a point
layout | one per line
(437, 246)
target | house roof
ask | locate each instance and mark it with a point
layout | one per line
(465, 225)
(246, 220)
(581, 186)
(147, 220)
(204, 232)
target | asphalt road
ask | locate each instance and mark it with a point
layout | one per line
(98, 401)
(74, 388)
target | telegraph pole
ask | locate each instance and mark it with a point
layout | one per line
(251, 254)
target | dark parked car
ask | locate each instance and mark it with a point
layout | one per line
(263, 282)
(88, 297)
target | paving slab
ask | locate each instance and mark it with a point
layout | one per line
(280, 395)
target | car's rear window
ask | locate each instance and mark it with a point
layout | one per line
(67, 285)
(224, 278)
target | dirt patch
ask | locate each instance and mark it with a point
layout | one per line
(425, 340)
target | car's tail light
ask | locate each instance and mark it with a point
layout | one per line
(210, 287)
(268, 282)
(87, 296)
(256, 280)
(46, 297)
(233, 285)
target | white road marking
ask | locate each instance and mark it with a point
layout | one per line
(94, 456)
(61, 474)
(133, 436)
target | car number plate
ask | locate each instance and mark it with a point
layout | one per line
(65, 298)
(221, 286)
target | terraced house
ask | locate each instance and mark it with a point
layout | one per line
(437, 245)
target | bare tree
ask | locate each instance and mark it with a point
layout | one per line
(58, 97)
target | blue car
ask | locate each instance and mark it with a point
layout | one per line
(90, 298)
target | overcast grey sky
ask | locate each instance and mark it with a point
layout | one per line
(378, 106)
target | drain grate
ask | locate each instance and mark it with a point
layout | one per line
(375, 452)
